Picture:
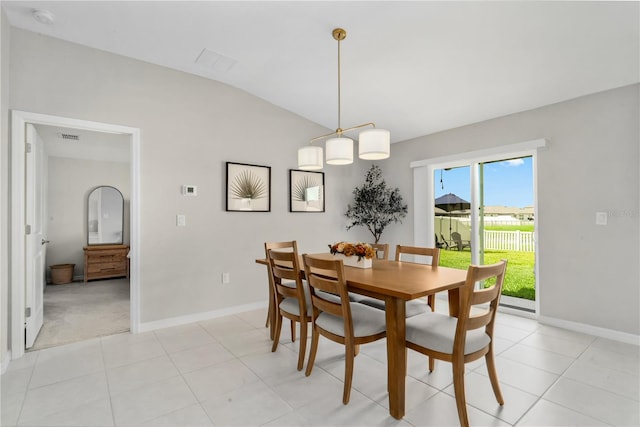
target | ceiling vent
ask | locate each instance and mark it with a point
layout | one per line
(69, 136)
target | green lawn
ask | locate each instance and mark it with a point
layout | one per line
(519, 280)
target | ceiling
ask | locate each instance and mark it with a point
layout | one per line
(414, 68)
(84, 144)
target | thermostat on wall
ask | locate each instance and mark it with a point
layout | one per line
(189, 190)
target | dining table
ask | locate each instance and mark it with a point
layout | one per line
(396, 282)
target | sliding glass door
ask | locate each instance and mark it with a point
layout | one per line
(484, 212)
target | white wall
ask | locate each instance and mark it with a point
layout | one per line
(70, 181)
(4, 186)
(589, 274)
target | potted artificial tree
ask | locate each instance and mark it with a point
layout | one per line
(375, 205)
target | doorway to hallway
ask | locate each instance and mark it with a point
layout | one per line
(21, 290)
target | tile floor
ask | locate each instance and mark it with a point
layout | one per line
(221, 372)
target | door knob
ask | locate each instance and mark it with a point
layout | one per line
(44, 241)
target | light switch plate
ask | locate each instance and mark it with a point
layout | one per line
(181, 220)
(601, 218)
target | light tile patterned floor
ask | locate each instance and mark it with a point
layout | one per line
(221, 372)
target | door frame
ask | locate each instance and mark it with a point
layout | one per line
(424, 198)
(19, 119)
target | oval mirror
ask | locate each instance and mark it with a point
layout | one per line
(105, 216)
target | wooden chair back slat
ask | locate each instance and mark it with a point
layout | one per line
(434, 253)
(382, 250)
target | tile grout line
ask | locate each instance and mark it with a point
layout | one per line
(106, 377)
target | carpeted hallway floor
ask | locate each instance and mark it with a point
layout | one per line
(77, 311)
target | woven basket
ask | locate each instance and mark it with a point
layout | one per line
(62, 273)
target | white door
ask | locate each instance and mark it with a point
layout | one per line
(35, 243)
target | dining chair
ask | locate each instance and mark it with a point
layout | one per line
(292, 303)
(271, 310)
(465, 338)
(415, 307)
(445, 241)
(339, 320)
(382, 250)
(458, 242)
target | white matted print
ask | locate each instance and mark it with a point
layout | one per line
(306, 191)
(248, 188)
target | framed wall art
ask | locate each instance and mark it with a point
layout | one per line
(306, 191)
(248, 188)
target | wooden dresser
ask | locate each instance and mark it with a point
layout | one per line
(104, 261)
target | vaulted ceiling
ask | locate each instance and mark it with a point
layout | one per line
(414, 68)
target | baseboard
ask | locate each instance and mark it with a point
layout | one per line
(4, 365)
(591, 330)
(198, 317)
(610, 334)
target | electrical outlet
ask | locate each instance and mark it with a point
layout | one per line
(226, 278)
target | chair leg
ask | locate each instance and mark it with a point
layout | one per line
(315, 337)
(303, 343)
(293, 331)
(493, 376)
(271, 313)
(276, 333)
(458, 387)
(431, 300)
(350, 355)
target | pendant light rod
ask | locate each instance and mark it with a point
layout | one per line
(373, 143)
(339, 34)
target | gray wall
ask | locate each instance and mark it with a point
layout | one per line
(187, 124)
(190, 127)
(588, 274)
(70, 181)
(5, 206)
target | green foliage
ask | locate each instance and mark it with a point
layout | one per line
(375, 205)
(248, 186)
(519, 280)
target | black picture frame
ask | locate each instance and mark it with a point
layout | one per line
(306, 191)
(248, 188)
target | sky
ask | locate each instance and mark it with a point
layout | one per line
(506, 183)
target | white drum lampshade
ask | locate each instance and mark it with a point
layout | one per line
(339, 151)
(374, 144)
(310, 158)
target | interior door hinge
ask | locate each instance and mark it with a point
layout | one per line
(27, 312)
(27, 229)
(28, 147)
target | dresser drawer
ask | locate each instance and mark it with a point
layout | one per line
(102, 262)
(103, 267)
(104, 256)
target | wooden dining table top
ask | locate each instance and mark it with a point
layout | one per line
(403, 280)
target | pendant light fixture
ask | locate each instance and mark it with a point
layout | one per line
(373, 144)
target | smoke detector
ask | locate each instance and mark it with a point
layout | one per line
(43, 16)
